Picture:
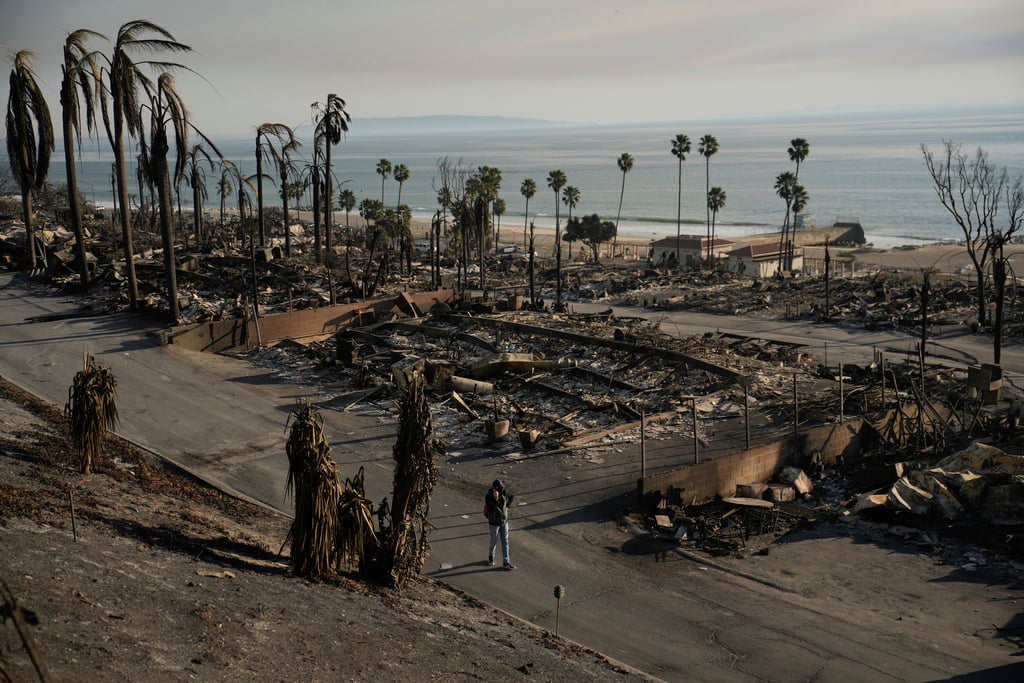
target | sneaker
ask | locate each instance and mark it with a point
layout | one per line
(490, 561)
(509, 565)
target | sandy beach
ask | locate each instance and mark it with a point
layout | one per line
(946, 258)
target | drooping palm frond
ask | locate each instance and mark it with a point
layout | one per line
(313, 484)
(30, 137)
(80, 87)
(356, 540)
(92, 407)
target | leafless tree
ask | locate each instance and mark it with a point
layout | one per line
(970, 189)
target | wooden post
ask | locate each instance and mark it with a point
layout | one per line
(643, 444)
(696, 453)
(841, 406)
(74, 525)
(746, 411)
(796, 409)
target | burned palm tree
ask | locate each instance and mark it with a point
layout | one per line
(355, 542)
(331, 121)
(79, 90)
(195, 178)
(29, 138)
(167, 110)
(314, 486)
(265, 150)
(92, 408)
(404, 547)
(128, 80)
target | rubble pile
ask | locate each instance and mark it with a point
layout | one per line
(979, 483)
(566, 379)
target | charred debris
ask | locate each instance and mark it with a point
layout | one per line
(508, 376)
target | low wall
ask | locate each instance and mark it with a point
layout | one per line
(224, 335)
(719, 477)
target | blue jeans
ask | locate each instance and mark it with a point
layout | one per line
(499, 531)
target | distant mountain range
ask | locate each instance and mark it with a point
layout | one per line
(440, 124)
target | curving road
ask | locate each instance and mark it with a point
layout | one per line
(670, 615)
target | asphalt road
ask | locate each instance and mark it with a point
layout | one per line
(672, 616)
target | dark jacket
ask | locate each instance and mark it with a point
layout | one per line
(496, 511)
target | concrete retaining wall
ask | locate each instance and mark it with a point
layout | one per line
(701, 483)
(223, 335)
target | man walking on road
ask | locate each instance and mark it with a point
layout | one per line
(496, 504)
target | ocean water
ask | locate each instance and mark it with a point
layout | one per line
(866, 168)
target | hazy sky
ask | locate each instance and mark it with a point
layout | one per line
(570, 60)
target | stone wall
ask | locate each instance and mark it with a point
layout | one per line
(224, 335)
(719, 477)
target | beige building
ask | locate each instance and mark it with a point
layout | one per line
(692, 250)
(762, 260)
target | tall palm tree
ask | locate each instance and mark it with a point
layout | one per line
(716, 202)
(286, 169)
(708, 147)
(266, 150)
(570, 197)
(680, 148)
(798, 150)
(400, 172)
(312, 174)
(556, 181)
(166, 109)
(498, 208)
(800, 200)
(137, 37)
(528, 189)
(486, 184)
(347, 201)
(625, 162)
(195, 176)
(79, 88)
(332, 121)
(785, 186)
(29, 137)
(225, 187)
(383, 170)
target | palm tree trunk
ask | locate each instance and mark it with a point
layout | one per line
(526, 218)
(122, 192)
(707, 189)
(284, 208)
(618, 214)
(679, 212)
(259, 194)
(197, 210)
(533, 296)
(163, 182)
(316, 212)
(76, 210)
(30, 237)
(328, 199)
(558, 249)
(714, 217)
(481, 218)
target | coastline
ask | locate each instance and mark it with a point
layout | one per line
(949, 258)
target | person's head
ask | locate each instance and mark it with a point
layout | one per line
(498, 485)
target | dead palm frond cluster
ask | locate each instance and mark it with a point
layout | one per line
(92, 407)
(356, 540)
(404, 545)
(314, 485)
